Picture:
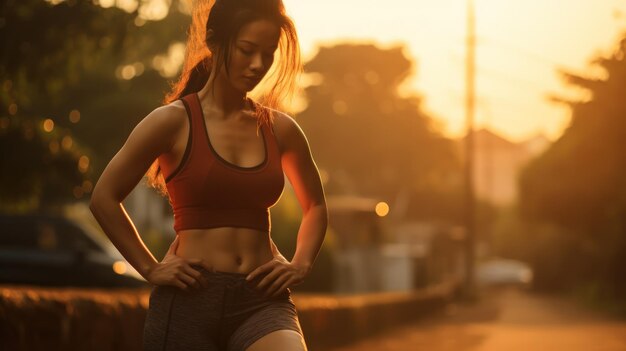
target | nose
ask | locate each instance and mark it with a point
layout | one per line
(256, 65)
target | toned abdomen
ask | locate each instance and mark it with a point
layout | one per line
(226, 249)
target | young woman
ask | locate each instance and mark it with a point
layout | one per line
(221, 157)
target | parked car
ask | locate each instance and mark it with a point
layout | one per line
(499, 271)
(52, 250)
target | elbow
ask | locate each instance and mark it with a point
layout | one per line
(93, 203)
(96, 200)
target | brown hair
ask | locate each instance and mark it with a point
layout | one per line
(224, 19)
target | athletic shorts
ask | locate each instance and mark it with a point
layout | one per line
(228, 315)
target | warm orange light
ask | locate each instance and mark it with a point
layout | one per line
(83, 164)
(67, 142)
(382, 209)
(128, 72)
(48, 125)
(74, 116)
(119, 267)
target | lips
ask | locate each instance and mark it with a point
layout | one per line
(252, 79)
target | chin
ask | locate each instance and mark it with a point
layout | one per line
(243, 87)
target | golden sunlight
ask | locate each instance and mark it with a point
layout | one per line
(520, 47)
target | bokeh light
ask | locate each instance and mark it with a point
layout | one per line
(382, 209)
(67, 142)
(74, 116)
(48, 125)
(83, 164)
(119, 267)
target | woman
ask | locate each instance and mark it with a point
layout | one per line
(221, 157)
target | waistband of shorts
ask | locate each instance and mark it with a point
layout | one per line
(219, 273)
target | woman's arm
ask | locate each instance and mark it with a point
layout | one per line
(298, 165)
(300, 168)
(154, 135)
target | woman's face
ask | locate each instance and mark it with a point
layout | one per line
(252, 54)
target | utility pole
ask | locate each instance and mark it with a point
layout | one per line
(470, 234)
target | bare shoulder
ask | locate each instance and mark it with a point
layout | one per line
(288, 132)
(169, 115)
(152, 136)
(165, 122)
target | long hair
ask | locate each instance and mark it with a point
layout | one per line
(224, 19)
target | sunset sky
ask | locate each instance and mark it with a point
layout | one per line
(520, 46)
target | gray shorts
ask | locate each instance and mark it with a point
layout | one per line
(229, 315)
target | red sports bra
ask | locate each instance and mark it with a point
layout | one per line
(206, 191)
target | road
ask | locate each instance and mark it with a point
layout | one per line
(505, 320)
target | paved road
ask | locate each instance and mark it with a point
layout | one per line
(506, 320)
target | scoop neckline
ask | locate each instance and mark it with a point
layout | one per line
(224, 161)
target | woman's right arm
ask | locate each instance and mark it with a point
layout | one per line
(153, 136)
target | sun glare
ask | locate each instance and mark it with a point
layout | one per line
(520, 47)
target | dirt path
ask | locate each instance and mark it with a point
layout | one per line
(506, 320)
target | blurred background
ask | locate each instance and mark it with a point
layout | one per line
(474, 146)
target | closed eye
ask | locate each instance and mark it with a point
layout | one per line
(245, 52)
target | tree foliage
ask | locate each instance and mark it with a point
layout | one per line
(579, 184)
(78, 59)
(370, 139)
(40, 169)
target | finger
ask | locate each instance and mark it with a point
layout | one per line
(268, 279)
(180, 284)
(191, 281)
(173, 245)
(258, 271)
(276, 286)
(199, 262)
(282, 289)
(197, 275)
(255, 273)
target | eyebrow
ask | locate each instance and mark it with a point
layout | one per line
(255, 44)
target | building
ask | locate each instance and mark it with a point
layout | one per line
(498, 162)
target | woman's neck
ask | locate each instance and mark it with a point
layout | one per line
(221, 98)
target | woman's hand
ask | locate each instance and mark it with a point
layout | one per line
(176, 271)
(279, 275)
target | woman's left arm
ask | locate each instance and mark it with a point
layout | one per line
(302, 172)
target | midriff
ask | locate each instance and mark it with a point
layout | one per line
(226, 249)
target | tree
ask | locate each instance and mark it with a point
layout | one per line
(90, 70)
(370, 139)
(42, 167)
(579, 184)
